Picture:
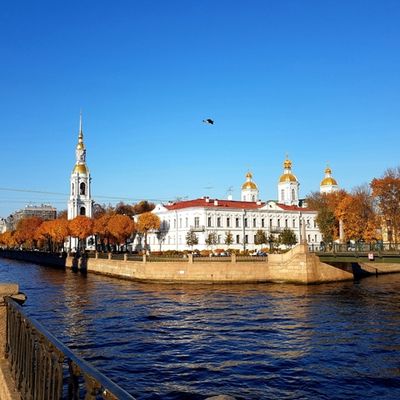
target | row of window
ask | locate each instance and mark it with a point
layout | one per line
(237, 223)
(238, 239)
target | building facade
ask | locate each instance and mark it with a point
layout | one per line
(44, 211)
(237, 220)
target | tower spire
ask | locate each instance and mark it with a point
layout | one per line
(80, 125)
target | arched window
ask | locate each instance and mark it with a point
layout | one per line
(73, 190)
(253, 198)
(282, 195)
(82, 188)
(293, 196)
(82, 211)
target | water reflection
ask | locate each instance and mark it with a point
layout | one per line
(250, 341)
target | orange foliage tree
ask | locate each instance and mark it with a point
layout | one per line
(26, 231)
(358, 214)
(7, 239)
(147, 222)
(326, 204)
(81, 227)
(386, 191)
(100, 229)
(121, 227)
(43, 235)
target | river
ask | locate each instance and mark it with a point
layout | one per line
(265, 341)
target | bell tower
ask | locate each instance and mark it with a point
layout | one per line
(80, 198)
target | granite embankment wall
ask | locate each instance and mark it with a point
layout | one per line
(296, 266)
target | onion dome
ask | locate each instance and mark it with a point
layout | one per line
(249, 184)
(80, 169)
(287, 175)
(328, 180)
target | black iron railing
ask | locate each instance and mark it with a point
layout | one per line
(44, 368)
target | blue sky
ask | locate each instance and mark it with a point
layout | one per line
(319, 80)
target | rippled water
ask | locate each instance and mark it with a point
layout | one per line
(266, 341)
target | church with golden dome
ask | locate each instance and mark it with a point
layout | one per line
(328, 184)
(240, 220)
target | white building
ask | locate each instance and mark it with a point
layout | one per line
(242, 219)
(80, 199)
(328, 184)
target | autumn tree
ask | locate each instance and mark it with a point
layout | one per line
(100, 230)
(26, 229)
(81, 227)
(192, 239)
(143, 206)
(386, 191)
(7, 239)
(121, 228)
(357, 212)
(147, 222)
(326, 204)
(59, 231)
(98, 210)
(43, 236)
(124, 209)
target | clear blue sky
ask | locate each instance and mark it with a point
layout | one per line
(319, 80)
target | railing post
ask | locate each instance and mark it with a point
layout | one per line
(144, 258)
(96, 255)
(233, 258)
(109, 256)
(190, 258)
(125, 257)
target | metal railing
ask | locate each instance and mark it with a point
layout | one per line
(44, 368)
(361, 247)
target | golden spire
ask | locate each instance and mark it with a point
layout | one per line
(80, 145)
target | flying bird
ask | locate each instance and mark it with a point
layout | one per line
(208, 121)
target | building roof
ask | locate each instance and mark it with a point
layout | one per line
(205, 202)
(213, 203)
(292, 208)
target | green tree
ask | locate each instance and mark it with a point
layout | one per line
(287, 237)
(191, 239)
(211, 239)
(261, 237)
(228, 238)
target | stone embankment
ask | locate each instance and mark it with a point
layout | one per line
(296, 266)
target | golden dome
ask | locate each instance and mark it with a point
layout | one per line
(80, 169)
(249, 185)
(329, 181)
(287, 178)
(328, 170)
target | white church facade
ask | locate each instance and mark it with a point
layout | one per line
(240, 220)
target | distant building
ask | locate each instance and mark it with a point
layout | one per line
(240, 220)
(44, 211)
